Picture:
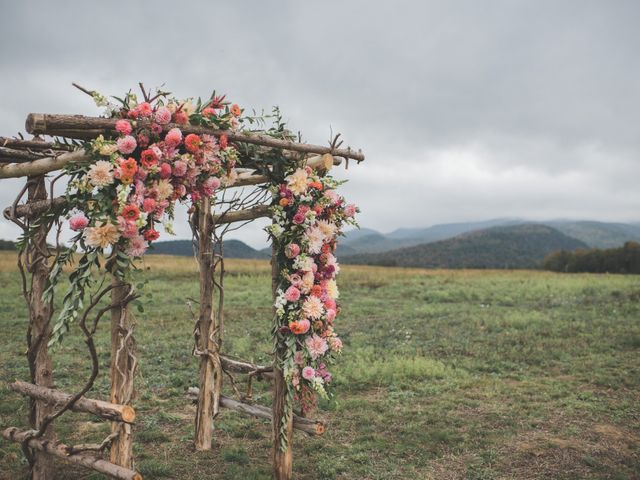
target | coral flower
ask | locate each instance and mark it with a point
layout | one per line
(300, 327)
(235, 110)
(131, 212)
(128, 167)
(102, 235)
(181, 117)
(292, 250)
(148, 158)
(208, 112)
(151, 235)
(149, 205)
(223, 141)
(192, 142)
(144, 109)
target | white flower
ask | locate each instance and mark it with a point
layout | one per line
(332, 289)
(297, 181)
(315, 239)
(328, 229)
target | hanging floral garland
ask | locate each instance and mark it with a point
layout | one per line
(308, 217)
(133, 182)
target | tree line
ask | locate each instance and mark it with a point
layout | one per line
(625, 259)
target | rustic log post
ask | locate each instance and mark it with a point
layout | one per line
(123, 368)
(39, 331)
(206, 346)
(282, 460)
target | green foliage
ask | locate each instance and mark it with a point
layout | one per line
(625, 259)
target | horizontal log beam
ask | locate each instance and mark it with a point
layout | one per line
(61, 450)
(242, 215)
(34, 209)
(306, 425)
(15, 155)
(42, 166)
(73, 125)
(107, 410)
(240, 366)
(33, 144)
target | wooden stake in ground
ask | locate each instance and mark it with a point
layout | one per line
(206, 347)
(282, 461)
(123, 368)
(39, 328)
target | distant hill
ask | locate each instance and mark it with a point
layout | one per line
(232, 249)
(517, 246)
(598, 234)
(7, 245)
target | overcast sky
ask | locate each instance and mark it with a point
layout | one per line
(466, 110)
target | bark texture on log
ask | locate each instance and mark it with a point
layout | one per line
(209, 394)
(306, 425)
(109, 411)
(60, 450)
(75, 125)
(39, 331)
(35, 209)
(122, 372)
(42, 166)
(242, 215)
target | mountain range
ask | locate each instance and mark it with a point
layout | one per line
(496, 243)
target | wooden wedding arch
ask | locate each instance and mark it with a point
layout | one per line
(35, 159)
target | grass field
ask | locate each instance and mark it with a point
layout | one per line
(445, 375)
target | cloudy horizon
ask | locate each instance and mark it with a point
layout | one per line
(465, 110)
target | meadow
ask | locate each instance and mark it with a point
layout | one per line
(446, 374)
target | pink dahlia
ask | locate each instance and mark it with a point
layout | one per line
(298, 218)
(179, 168)
(292, 250)
(137, 246)
(144, 109)
(165, 171)
(210, 185)
(78, 222)
(149, 205)
(350, 210)
(128, 228)
(163, 115)
(174, 137)
(292, 294)
(316, 345)
(126, 144)
(335, 343)
(123, 127)
(308, 373)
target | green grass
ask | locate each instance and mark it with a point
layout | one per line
(445, 375)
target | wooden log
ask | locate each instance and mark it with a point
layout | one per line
(241, 366)
(122, 372)
(282, 460)
(13, 155)
(42, 166)
(33, 144)
(39, 331)
(35, 209)
(306, 425)
(109, 411)
(68, 125)
(242, 215)
(208, 398)
(60, 450)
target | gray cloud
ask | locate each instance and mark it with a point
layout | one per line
(466, 110)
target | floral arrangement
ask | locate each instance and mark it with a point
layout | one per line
(308, 217)
(134, 180)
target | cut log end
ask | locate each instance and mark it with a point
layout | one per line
(128, 414)
(320, 428)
